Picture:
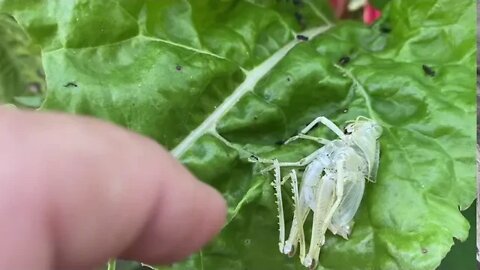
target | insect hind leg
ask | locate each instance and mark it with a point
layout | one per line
(318, 234)
(300, 163)
(327, 122)
(277, 183)
(307, 137)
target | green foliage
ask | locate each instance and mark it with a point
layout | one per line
(185, 72)
(380, 4)
(21, 75)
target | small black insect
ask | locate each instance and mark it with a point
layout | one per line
(178, 68)
(302, 37)
(428, 71)
(71, 84)
(344, 60)
(254, 157)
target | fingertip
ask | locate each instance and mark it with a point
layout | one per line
(186, 218)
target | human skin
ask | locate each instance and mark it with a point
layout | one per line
(76, 191)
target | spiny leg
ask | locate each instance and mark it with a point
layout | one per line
(278, 193)
(307, 137)
(300, 212)
(318, 234)
(327, 123)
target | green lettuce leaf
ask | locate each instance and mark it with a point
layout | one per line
(379, 3)
(21, 75)
(207, 78)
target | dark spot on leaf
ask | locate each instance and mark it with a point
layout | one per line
(428, 71)
(385, 29)
(288, 79)
(302, 37)
(71, 84)
(178, 68)
(254, 157)
(344, 60)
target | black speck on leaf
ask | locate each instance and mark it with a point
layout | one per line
(71, 84)
(254, 157)
(428, 71)
(302, 37)
(344, 60)
(288, 79)
(178, 68)
(385, 29)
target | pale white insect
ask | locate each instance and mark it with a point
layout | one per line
(332, 185)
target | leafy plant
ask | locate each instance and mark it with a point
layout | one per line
(206, 78)
(21, 75)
